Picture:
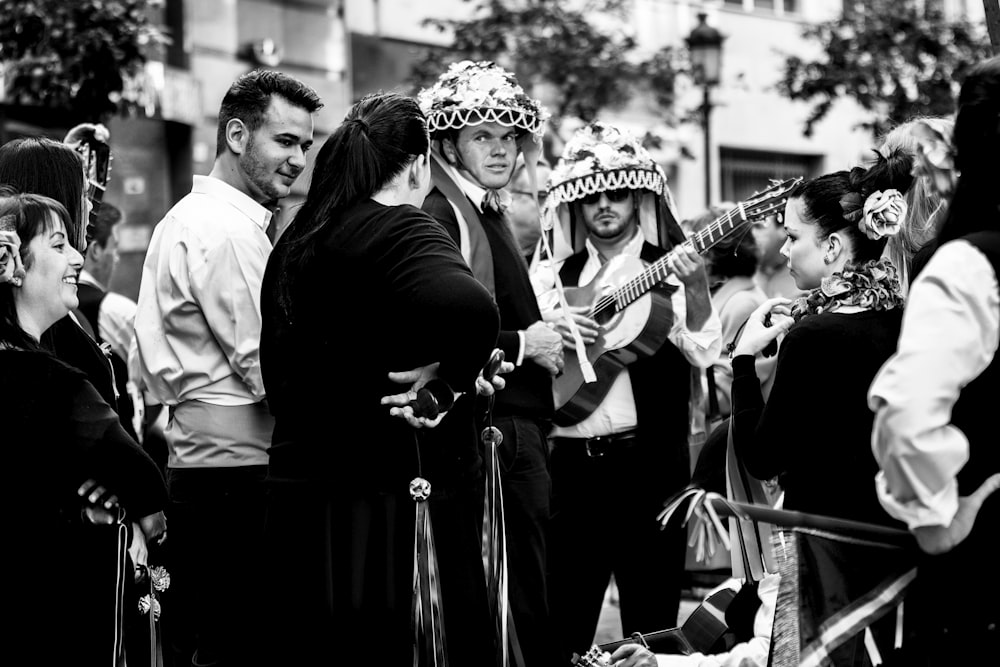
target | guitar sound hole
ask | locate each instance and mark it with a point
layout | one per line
(604, 315)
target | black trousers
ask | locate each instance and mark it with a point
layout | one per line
(604, 522)
(524, 465)
(215, 521)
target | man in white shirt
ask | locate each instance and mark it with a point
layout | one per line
(198, 332)
(621, 451)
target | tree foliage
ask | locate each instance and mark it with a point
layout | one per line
(546, 41)
(895, 58)
(74, 54)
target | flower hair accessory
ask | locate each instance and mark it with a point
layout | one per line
(11, 268)
(872, 285)
(472, 93)
(601, 157)
(878, 215)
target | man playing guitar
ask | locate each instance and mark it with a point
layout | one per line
(621, 453)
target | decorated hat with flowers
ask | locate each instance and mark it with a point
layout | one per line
(472, 93)
(601, 157)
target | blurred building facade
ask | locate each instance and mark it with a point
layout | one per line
(346, 48)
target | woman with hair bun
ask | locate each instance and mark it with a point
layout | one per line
(361, 284)
(935, 403)
(813, 433)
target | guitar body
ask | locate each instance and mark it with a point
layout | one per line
(636, 332)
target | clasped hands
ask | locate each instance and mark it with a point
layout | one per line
(417, 378)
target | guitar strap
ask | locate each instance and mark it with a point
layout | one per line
(480, 254)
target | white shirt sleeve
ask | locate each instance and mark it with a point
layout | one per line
(700, 348)
(116, 322)
(950, 333)
(228, 285)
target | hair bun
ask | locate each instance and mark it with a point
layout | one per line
(892, 171)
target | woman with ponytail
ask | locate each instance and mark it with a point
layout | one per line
(814, 431)
(363, 283)
(935, 400)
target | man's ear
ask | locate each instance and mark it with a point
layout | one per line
(237, 136)
(450, 151)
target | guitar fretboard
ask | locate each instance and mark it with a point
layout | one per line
(659, 270)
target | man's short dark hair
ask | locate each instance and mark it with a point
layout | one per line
(249, 96)
(106, 217)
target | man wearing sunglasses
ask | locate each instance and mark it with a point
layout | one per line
(480, 120)
(614, 468)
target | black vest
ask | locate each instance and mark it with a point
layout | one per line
(661, 385)
(963, 583)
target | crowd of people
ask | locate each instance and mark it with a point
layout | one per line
(343, 472)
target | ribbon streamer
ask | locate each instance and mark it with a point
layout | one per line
(494, 549)
(428, 623)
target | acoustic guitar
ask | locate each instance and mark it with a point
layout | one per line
(634, 319)
(704, 631)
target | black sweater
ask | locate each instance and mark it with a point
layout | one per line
(386, 290)
(529, 388)
(815, 431)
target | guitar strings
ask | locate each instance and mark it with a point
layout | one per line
(755, 209)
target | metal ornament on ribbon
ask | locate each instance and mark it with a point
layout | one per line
(429, 649)
(494, 540)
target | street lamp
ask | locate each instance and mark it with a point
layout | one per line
(705, 46)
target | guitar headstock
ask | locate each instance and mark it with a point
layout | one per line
(771, 200)
(96, 155)
(594, 657)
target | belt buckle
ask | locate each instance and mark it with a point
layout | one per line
(591, 452)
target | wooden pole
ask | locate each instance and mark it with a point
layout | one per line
(992, 8)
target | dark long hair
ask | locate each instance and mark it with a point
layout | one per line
(28, 215)
(52, 169)
(973, 207)
(380, 136)
(821, 198)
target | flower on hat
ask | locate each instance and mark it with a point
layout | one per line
(472, 93)
(601, 157)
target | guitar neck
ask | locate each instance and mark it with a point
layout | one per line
(659, 270)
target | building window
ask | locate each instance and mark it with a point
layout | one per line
(746, 171)
(777, 7)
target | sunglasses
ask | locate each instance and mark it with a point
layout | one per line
(542, 194)
(614, 196)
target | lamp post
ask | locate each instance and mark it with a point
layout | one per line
(705, 46)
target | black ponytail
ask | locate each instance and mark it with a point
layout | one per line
(380, 136)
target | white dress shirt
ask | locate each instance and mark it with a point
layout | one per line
(198, 320)
(616, 413)
(950, 334)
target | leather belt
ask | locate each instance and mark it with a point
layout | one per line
(603, 444)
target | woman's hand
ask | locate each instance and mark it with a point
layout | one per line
(941, 539)
(489, 387)
(771, 319)
(401, 408)
(154, 528)
(138, 550)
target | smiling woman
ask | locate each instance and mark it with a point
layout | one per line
(58, 435)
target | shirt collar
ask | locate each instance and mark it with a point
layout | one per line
(215, 187)
(87, 278)
(633, 248)
(471, 190)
